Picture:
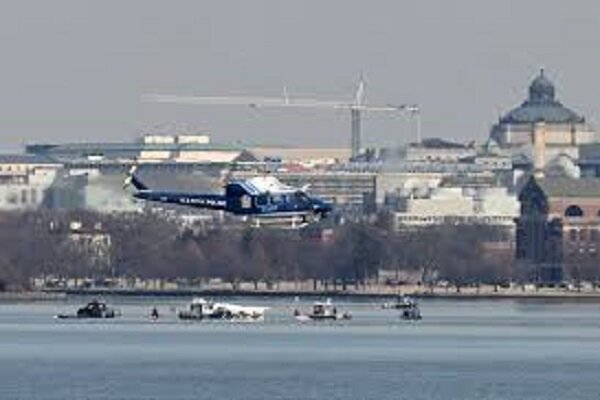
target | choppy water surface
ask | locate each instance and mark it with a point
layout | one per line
(461, 350)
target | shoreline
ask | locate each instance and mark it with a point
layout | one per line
(32, 296)
(543, 294)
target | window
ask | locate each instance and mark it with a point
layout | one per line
(594, 235)
(246, 202)
(573, 211)
(12, 198)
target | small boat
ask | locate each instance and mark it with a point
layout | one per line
(322, 312)
(411, 311)
(94, 309)
(201, 308)
(411, 314)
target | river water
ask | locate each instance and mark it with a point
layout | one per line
(498, 349)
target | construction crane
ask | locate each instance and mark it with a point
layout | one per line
(356, 107)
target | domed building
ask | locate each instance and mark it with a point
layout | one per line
(563, 126)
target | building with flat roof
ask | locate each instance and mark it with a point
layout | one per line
(151, 148)
(94, 172)
(438, 150)
(309, 156)
(493, 206)
(24, 180)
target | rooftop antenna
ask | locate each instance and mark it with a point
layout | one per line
(355, 130)
(286, 96)
(359, 97)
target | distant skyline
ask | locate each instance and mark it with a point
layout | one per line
(75, 70)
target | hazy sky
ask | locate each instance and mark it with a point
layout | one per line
(75, 70)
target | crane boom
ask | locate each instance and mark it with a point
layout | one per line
(286, 101)
(267, 102)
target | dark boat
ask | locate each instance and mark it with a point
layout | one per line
(93, 309)
(411, 311)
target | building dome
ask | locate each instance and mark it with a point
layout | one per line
(541, 90)
(541, 105)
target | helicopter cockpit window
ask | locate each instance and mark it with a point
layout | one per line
(276, 199)
(301, 198)
(262, 200)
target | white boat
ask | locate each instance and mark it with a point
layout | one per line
(408, 305)
(201, 308)
(401, 303)
(322, 312)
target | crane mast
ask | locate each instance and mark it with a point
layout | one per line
(355, 140)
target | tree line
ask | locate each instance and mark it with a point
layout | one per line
(39, 243)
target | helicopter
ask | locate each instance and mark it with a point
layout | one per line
(257, 197)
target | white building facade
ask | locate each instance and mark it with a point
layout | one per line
(24, 181)
(493, 206)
